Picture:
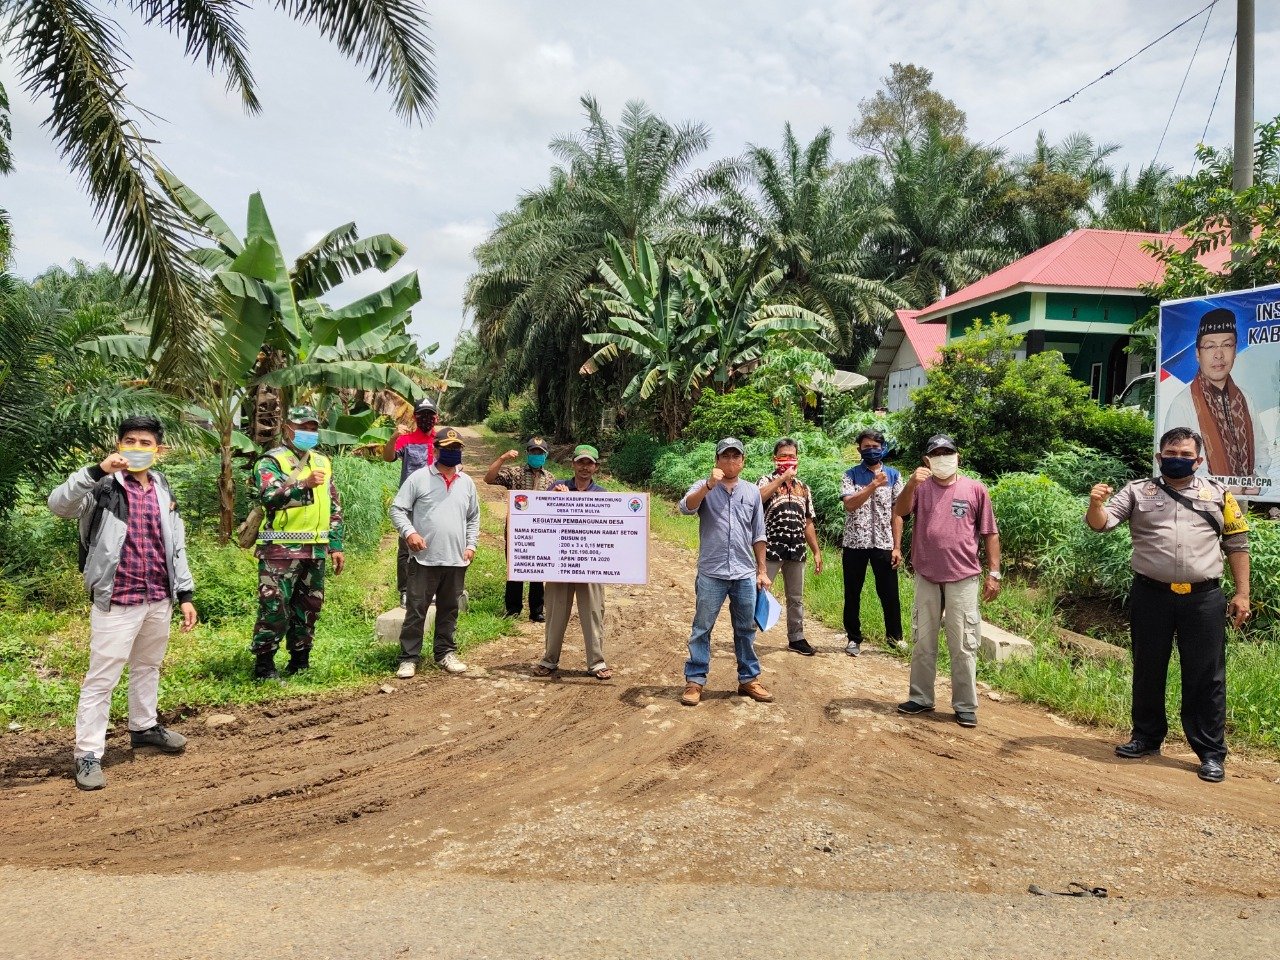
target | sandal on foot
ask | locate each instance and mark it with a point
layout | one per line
(542, 670)
(604, 673)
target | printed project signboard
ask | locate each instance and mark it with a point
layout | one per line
(578, 537)
(1219, 374)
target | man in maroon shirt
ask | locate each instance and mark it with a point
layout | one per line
(952, 512)
(134, 557)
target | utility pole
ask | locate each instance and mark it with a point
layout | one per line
(1242, 163)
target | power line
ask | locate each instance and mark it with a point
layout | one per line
(1227, 63)
(1182, 86)
(1108, 73)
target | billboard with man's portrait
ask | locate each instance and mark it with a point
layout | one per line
(1219, 374)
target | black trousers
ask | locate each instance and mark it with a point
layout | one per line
(1199, 621)
(443, 587)
(854, 563)
(515, 598)
(403, 557)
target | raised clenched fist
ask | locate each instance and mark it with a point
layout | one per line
(1100, 493)
(716, 476)
(922, 474)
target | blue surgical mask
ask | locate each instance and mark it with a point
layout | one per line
(449, 456)
(873, 455)
(536, 460)
(1177, 468)
(305, 439)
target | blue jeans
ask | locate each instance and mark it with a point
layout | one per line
(711, 593)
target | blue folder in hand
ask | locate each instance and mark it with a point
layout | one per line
(768, 609)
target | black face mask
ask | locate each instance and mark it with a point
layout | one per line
(425, 424)
(449, 456)
(1177, 468)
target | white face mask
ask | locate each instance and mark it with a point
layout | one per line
(944, 467)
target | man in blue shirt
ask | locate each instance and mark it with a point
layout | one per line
(731, 565)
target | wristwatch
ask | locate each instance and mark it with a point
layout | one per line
(996, 574)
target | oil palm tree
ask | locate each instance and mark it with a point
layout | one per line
(528, 296)
(72, 54)
(946, 200)
(815, 220)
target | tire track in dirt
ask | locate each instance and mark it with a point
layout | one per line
(502, 774)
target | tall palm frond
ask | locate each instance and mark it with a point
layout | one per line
(71, 53)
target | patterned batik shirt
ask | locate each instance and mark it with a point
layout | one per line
(142, 575)
(786, 516)
(277, 490)
(521, 476)
(870, 527)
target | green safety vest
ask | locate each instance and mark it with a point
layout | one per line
(299, 523)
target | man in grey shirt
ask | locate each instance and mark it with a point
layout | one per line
(731, 565)
(437, 513)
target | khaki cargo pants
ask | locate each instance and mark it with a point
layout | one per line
(963, 626)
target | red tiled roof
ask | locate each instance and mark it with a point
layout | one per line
(1086, 259)
(925, 338)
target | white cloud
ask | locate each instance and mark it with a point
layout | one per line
(328, 149)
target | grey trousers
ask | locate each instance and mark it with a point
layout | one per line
(558, 598)
(793, 578)
(964, 633)
(427, 585)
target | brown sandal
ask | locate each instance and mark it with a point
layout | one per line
(541, 670)
(604, 673)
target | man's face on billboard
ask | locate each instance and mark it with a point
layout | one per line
(1217, 355)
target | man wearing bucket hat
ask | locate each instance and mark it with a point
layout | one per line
(530, 475)
(952, 514)
(559, 596)
(301, 528)
(414, 448)
(1235, 443)
(731, 566)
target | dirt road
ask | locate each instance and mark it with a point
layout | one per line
(500, 776)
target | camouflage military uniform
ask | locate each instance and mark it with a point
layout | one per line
(290, 576)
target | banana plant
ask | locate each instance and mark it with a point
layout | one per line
(651, 318)
(272, 334)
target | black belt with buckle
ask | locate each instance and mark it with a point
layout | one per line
(1180, 588)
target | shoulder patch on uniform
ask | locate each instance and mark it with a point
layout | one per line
(1233, 519)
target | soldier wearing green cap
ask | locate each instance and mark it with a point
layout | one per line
(559, 597)
(301, 527)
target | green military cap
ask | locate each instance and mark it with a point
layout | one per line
(585, 451)
(302, 413)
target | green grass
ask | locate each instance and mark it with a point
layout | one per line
(44, 654)
(1083, 690)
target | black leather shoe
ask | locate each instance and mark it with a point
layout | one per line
(802, 647)
(1137, 748)
(298, 661)
(537, 618)
(1211, 771)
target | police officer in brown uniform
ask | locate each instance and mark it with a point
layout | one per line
(1181, 526)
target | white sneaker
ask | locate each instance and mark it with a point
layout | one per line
(452, 664)
(406, 670)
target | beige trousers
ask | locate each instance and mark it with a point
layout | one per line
(963, 626)
(793, 580)
(138, 636)
(558, 598)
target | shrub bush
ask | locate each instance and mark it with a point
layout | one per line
(1004, 413)
(741, 413)
(633, 458)
(1033, 512)
(503, 421)
(366, 488)
(1077, 469)
(1127, 435)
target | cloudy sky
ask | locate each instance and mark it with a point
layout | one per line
(327, 148)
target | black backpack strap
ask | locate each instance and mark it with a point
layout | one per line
(102, 493)
(1187, 502)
